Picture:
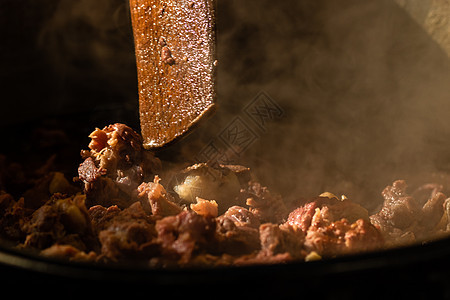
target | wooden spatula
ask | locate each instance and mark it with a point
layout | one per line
(176, 63)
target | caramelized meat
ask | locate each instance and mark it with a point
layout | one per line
(61, 221)
(332, 227)
(205, 216)
(342, 237)
(281, 239)
(126, 235)
(265, 205)
(205, 207)
(237, 231)
(331, 209)
(160, 202)
(185, 235)
(115, 165)
(69, 252)
(406, 218)
(13, 216)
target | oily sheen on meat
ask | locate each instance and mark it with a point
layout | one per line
(122, 208)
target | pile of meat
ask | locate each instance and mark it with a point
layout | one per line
(123, 206)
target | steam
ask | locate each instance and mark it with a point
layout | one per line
(364, 86)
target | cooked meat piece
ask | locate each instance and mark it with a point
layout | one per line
(128, 235)
(331, 208)
(101, 216)
(342, 237)
(443, 227)
(13, 215)
(88, 171)
(61, 220)
(280, 239)
(424, 192)
(432, 200)
(115, 166)
(334, 226)
(399, 210)
(406, 218)
(263, 204)
(47, 185)
(262, 259)
(104, 191)
(207, 208)
(204, 216)
(278, 244)
(237, 232)
(241, 217)
(185, 235)
(160, 202)
(69, 252)
(242, 173)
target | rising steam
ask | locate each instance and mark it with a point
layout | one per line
(364, 86)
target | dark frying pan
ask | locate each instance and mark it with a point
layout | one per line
(363, 95)
(418, 271)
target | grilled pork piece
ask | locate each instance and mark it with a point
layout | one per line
(267, 206)
(115, 165)
(184, 236)
(62, 220)
(126, 235)
(237, 232)
(406, 218)
(333, 227)
(160, 201)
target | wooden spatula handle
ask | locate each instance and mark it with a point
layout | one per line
(176, 63)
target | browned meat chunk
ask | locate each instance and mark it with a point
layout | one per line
(265, 205)
(63, 221)
(204, 215)
(237, 232)
(45, 186)
(115, 165)
(88, 171)
(281, 239)
(13, 215)
(160, 202)
(69, 252)
(127, 235)
(205, 208)
(334, 227)
(184, 236)
(101, 216)
(331, 209)
(343, 237)
(405, 218)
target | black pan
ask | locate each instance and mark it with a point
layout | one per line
(363, 91)
(419, 271)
